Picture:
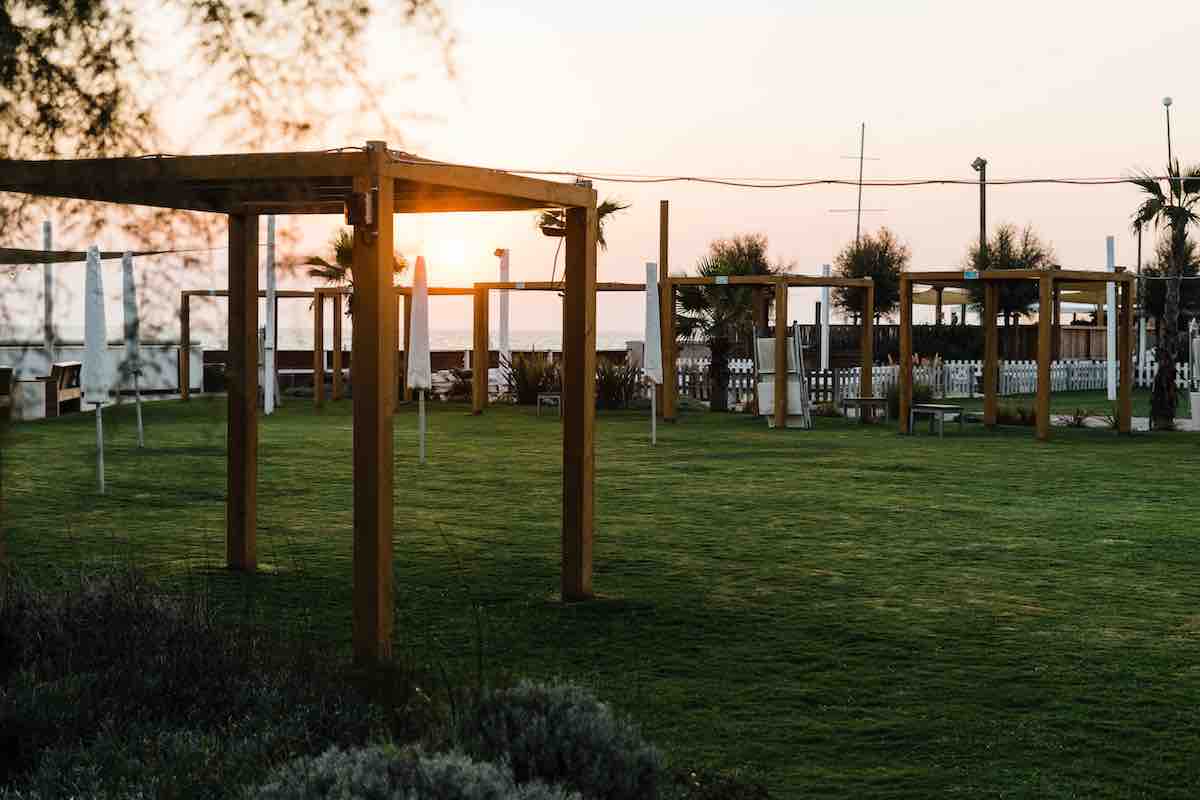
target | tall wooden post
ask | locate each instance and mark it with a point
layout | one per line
(905, 352)
(866, 375)
(185, 346)
(1044, 351)
(579, 403)
(318, 348)
(372, 348)
(1125, 359)
(336, 299)
(408, 392)
(479, 354)
(937, 317)
(781, 354)
(663, 254)
(241, 381)
(1056, 347)
(991, 352)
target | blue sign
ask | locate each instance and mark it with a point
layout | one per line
(971, 274)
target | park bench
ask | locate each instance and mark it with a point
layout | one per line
(865, 402)
(936, 412)
(63, 391)
(550, 399)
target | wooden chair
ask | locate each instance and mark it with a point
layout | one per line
(63, 391)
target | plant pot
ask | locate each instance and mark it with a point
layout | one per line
(1194, 399)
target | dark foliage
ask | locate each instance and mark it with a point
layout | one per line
(616, 384)
(951, 342)
(530, 374)
(1009, 248)
(879, 256)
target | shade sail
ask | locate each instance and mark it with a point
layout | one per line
(420, 372)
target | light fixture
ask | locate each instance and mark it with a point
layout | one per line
(979, 163)
(1167, 102)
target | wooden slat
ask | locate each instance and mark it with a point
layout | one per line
(1061, 276)
(556, 286)
(336, 394)
(371, 353)
(664, 253)
(866, 378)
(771, 280)
(479, 354)
(279, 293)
(241, 381)
(483, 182)
(781, 355)
(1044, 349)
(991, 353)
(185, 346)
(579, 403)
(319, 349)
(670, 397)
(905, 351)
(1125, 360)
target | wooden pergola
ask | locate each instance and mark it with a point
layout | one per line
(780, 284)
(1050, 282)
(369, 185)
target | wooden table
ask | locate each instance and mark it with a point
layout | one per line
(938, 412)
(866, 402)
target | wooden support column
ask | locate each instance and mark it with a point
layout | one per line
(479, 354)
(408, 392)
(905, 352)
(1125, 359)
(991, 352)
(372, 349)
(336, 394)
(666, 292)
(185, 346)
(1044, 351)
(318, 348)
(579, 403)
(781, 354)
(1056, 348)
(663, 254)
(866, 375)
(241, 381)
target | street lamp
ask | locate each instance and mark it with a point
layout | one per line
(1167, 106)
(980, 166)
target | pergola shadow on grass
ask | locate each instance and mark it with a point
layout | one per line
(1049, 281)
(370, 185)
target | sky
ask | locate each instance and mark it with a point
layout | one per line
(778, 90)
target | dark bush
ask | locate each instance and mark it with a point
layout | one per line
(1015, 414)
(530, 375)
(616, 384)
(561, 734)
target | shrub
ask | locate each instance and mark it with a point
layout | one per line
(1076, 419)
(921, 393)
(616, 384)
(1010, 414)
(530, 375)
(829, 409)
(383, 773)
(461, 386)
(559, 733)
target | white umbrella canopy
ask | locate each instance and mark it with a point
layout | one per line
(652, 366)
(420, 371)
(133, 355)
(96, 376)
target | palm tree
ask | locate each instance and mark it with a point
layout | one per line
(553, 222)
(1174, 207)
(723, 316)
(1010, 248)
(340, 271)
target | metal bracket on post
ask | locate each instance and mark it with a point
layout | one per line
(362, 211)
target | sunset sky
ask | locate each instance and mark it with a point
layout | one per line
(769, 90)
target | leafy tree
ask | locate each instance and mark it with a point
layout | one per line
(1174, 207)
(723, 316)
(880, 257)
(553, 222)
(1010, 248)
(340, 271)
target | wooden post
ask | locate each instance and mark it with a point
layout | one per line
(337, 346)
(185, 346)
(241, 382)
(579, 403)
(781, 354)
(991, 352)
(479, 354)
(372, 351)
(1044, 351)
(318, 348)
(905, 352)
(408, 392)
(1125, 359)
(663, 254)
(1056, 349)
(866, 376)
(666, 291)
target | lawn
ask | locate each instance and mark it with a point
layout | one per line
(1096, 402)
(849, 612)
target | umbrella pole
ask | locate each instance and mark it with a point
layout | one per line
(653, 418)
(421, 424)
(137, 397)
(100, 447)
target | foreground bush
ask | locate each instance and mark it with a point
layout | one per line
(558, 733)
(385, 773)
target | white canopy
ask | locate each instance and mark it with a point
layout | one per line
(420, 371)
(96, 375)
(652, 358)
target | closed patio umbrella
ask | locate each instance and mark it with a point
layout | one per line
(96, 377)
(420, 372)
(133, 355)
(652, 367)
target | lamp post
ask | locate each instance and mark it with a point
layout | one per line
(980, 166)
(1167, 106)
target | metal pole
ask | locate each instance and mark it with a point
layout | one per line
(48, 298)
(421, 425)
(504, 343)
(862, 143)
(1141, 300)
(100, 447)
(1110, 317)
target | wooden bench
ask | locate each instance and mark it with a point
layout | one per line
(865, 402)
(63, 392)
(7, 382)
(938, 412)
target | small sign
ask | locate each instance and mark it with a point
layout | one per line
(722, 280)
(971, 275)
(520, 284)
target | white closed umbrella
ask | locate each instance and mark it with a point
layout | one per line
(270, 378)
(96, 375)
(652, 366)
(420, 371)
(133, 354)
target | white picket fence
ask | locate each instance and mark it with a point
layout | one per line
(949, 379)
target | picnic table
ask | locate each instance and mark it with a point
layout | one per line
(550, 399)
(936, 412)
(865, 402)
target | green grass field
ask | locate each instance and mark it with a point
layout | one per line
(852, 613)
